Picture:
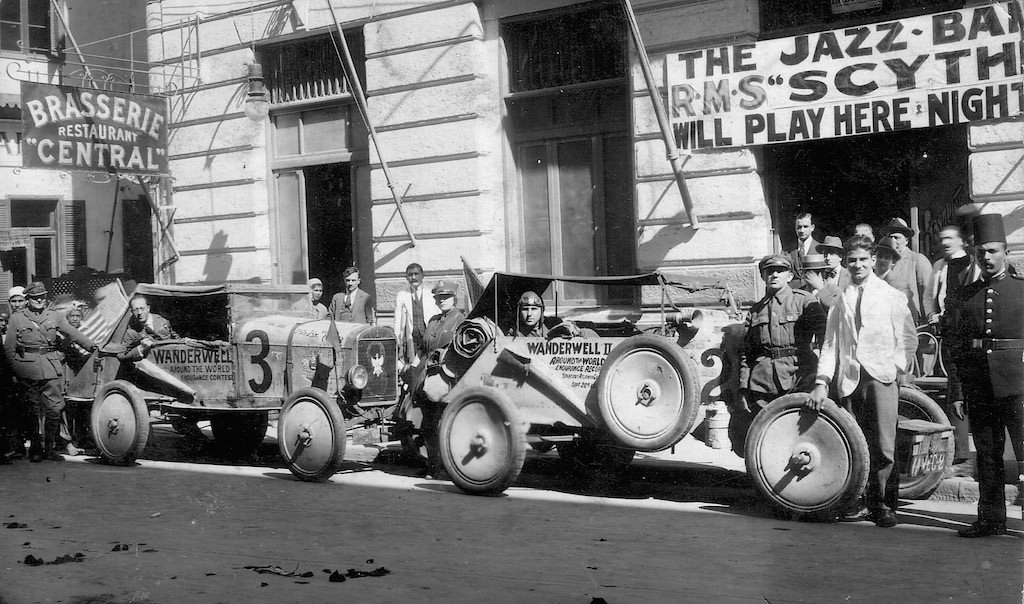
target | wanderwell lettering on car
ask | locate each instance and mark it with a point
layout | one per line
(75, 129)
(930, 70)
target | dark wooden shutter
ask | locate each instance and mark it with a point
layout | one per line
(6, 276)
(75, 252)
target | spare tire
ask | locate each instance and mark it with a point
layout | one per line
(914, 404)
(648, 394)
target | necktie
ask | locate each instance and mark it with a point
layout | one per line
(856, 316)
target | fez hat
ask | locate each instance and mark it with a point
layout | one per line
(16, 291)
(530, 298)
(36, 288)
(886, 244)
(831, 243)
(779, 260)
(813, 262)
(988, 228)
(898, 225)
(445, 288)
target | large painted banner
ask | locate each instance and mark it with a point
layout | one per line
(917, 72)
(79, 129)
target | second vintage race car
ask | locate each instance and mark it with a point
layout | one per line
(628, 382)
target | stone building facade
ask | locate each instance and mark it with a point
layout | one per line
(521, 137)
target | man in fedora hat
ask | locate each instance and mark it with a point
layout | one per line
(912, 273)
(987, 372)
(832, 249)
(31, 348)
(820, 280)
(778, 355)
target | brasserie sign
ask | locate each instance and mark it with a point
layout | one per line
(80, 129)
(918, 72)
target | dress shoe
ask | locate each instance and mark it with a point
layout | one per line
(860, 515)
(35, 457)
(967, 469)
(885, 518)
(54, 456)
(1020, 495)
(982, 529)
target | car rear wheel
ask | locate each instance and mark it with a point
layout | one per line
(311, 435)
(239, 433)
(647, 393)
(483, 441)
(120, 423)
(807, 463)
(914, 404)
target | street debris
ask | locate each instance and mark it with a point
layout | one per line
(277, 570)
(31, 560)
(15, 525)
(156, 514)
(121, 547)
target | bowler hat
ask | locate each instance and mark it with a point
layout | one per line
(35, 289)
(15, 292)
(779, 260)
(898, 225)
(812, 262)
(887, 245)
(988, 228)
(445, 288)
(831, 243)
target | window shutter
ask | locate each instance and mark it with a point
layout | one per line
(6, 276)
(74, 234)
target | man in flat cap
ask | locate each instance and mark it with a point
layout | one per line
(869, 341)
(31, 348)
(911, 273)
(317, 310)
(987, 372)
(779, 347)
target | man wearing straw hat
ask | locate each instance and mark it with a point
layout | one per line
(987, 372)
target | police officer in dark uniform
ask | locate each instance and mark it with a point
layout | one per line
(438, 334)
(778, 354)
(31, 348)
(988, 368)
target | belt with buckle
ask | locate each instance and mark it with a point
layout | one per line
(37, 349)
(998, 343)
(783, 351)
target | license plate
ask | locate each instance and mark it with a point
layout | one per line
(929, 455)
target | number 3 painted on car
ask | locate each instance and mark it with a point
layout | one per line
(258, 359)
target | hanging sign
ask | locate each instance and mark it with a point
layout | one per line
(80, 129)
(931, 70)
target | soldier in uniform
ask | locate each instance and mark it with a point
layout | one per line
(31, 348)
(988, 368)
(7, 418)
(778, 354)
(439, 333)
(531, 322)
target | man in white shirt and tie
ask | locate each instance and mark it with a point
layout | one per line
(869, 339)
(412, 311)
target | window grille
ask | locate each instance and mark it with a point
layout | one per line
(309, 70)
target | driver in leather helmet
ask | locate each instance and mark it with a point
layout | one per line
(531, 322)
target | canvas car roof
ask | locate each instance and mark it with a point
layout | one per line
(187, 291)
(504, 289)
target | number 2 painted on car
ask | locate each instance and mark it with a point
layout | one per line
(259, 359)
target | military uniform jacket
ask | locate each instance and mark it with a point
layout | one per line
(441, 329)
(32, 344)
(987, 363)
(778, 348)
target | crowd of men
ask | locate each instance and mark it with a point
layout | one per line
(840, 320)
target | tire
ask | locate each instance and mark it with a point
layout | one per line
(120, 423)
(311, 435)
(914, 404)
(483, 441)
(785, 433)
(239, 434)
(413, 446)
(648, 393)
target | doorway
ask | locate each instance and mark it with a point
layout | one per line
(918, 175)
(329, 223)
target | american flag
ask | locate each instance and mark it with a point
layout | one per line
(110, 304)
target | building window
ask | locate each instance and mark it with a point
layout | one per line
(25, 26)
(310, 70)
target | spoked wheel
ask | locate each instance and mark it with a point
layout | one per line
(807, 463)
(311, 435)
(483, 441)
(915, 404)
(238, 433)
(413, 445)
(120, 423)
(648, 394)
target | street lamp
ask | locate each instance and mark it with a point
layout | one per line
(257, 101)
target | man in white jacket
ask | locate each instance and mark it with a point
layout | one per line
(412, 311)
(869, 339)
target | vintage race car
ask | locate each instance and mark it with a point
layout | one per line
(245, 351)
(640, 382)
